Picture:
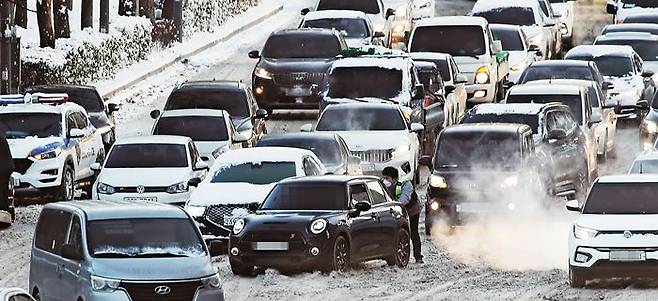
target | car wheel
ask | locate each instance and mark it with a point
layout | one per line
(403, 249)
(341, 257)
(241, 269)
(577, 278)
(67, 188)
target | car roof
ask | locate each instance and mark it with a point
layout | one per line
(562, 82)
(211, 85)
(42, 108)
(362, 105)
(100, 210)
(574, 63)
(510, 108)
(629, 178)
(627, 36)
(154, 139)
(453, 21)
(628, 27)
(61, 87)
(546, 89)
(194, 112)
(601, 50)
(303, 31)
(262, 154)
(505, 27)
(386, 62)
(429, 56)
(334, 14)
(422, 65)
(299, 136)
(488, 5)
(511, 128)
(643, 14)
(327, 179)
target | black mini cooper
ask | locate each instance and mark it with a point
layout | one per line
(325, 223)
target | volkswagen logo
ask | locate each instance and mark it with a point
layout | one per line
(628, 234)
(141, 189)
(162, 290)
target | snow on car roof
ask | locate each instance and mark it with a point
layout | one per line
(572, 63)
(100, 210)
(650, 155)
(41, 108)
(629, 178)
(453, 21)
(487, 5)
(261, 154)
(627, 36)
(601, 50)
(429, 56)
(154, 139)
(516, 108)
(386, 62)
(335, 14)
(545, 89)
(487, 127)
(195, 112)
(505, 27)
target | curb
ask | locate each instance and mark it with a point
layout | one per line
(188, 54)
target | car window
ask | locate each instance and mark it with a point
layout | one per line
(377, 193)
(194, 153)
(455, 69)
(566, 121)
(70, 122)
(442, 39)
(358, 193)
(51, 230)
(310, 169)
(80, 120)
(198, 128)
(75, 234)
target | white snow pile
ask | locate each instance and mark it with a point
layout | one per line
(207, 15)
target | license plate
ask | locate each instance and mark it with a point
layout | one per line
(472, 207)
(298, 91)
(627, 256)
(270, 246)
(230, 220)
(148, 199)
(368, 166)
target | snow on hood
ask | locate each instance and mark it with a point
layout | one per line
(153, 268)
(260, 154)
(532, 31)
(207, 147)
(488, 5)
(21, 148)
(392, 63)
(374, 140)
(402, 99)
(619, 222)
(357, 42)
(149, 177)
(467, 64)
(229, 193)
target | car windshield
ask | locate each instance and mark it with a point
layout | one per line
(348, 119)
(622, 198)
(353, 28)
(649, 19)
(199, 128)
(86, 98)
(531, 120)
(298, 46)
(258, 173)
(442, 39)
(357, 82)
(327, 150)
(509, 15)
(511, 39)
(644, 167)
(147, 155)
(443, 68)
(306, 196)
(21, 125)
(616, 66)
(232, 101)
(473, 150)
(638, 3)
(648, 50)
(574, 102)
(557, 72)
(143, 238)
(366, 6)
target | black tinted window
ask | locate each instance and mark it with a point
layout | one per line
(645, 167)
(259, 173)
(616, 66)
(648, 50)
(442, 65)
(465, 150)
(21, 125)
(354, 28)
(327, 150)
(366, 6)
(509, 15)
(622, 198)
(147, 156)
(511, 39)
(530, 120)
(301, 46)
(306, 196)
(51, 230)
(346, 119)
(199, 128)
(234, 102)
(442, 39)
(574, 102)
(86, 98)
(356, 82)
(638, 3)
(557, 72)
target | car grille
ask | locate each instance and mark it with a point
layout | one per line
(178, 291)
(134, 189)
(22, 165)
(216, 213)
(298, 78)
(289, 236)
(374, 156)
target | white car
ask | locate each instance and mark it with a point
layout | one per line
(14, 294)
(240, 180)
(521, 54)
(615, 234)
(150, 168)
(211, 130)
(378, 133)
(623, 8)
(354, 25)
(52, 142)
(567, 10)
(645, 163)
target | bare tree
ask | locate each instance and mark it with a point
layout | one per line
(61, 14)
(45, 21)
(20, 14)
(87, 14)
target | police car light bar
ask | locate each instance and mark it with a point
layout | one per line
(48, 98)
(11, 99)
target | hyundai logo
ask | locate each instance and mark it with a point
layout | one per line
(162, 290)
(140, 189)
(628, 234)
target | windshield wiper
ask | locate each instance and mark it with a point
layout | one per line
(112, 254)
(449, 166)
(159, 254)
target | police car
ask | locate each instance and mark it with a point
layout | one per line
(52, 144)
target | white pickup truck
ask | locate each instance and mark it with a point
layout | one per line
(477, 54)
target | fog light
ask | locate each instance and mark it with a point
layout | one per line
(582, 257)
(259, 90)
(315, 251)
(235, 251)
(434, 206)
(480, 93)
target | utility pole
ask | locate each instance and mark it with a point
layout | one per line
(9, 51)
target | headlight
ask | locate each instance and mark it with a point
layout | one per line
(212, 281)
(262, 73)
(649, 127)
(104, 284)
(510, 182)
(238, 226)
(103, 188)
(584, 233)
(318, 226)
(47, 155)
(482, 75)
(434, 206)
(195, 211)
(438, 182)
(178, 188)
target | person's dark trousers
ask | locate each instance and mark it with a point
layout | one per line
(4, 191)
(415, 237)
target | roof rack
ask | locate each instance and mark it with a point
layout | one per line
(12, 99)
(35, 98)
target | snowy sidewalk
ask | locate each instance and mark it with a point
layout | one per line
(161, 59)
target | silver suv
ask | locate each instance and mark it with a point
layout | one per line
(101, 250)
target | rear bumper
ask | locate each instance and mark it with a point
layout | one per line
(273, 96)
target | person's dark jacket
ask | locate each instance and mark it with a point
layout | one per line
(6, 161)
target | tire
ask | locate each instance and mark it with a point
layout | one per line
(240, 269)
(577, 279)
(400, 256)
(67, 187)
(340, 261)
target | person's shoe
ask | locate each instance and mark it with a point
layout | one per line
(419, 260)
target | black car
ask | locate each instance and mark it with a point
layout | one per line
(292, 65)
(324, 223)
(233, 97)
(101, 115)
(482, 169)
(630, 27)
(644, 17)
(331, 149)
(564, 69)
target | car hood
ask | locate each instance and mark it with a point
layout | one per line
(144, 269)
(149, 177)
(296, 65)
(619, 222)
(207, 147)
(374, 140)
(651, 65)
(241, 123)
(241, 193)
(21, 148)
(283, 217)
(403, 99)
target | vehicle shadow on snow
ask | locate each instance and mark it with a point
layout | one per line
(620, 284)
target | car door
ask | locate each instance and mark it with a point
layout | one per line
(460, 89)
(46, 262)
(388, 216)
(365, 228)
(86, 143)
(560, 150)
(435, 104)
(70, 269)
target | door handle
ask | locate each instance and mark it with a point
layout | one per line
(395, 214)
(374, 216)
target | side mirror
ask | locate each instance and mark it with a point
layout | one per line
(611, 8)
(201, 166)
(95, 167)
(76, 133)
(642, 104)
(155, 114)
(307, 128)
(417, 127)
(419, 91)
(556, 135)
(254, 54)
(390, 12)
(573, 205)
(647, 73)
(449, 89)
(378, 34)
(253, 207)
(497, 46)
(533, 48)
(305, 11)
(194, 182)
(113, 107)
(216, 248)
(461, 79)
(425, 161)
(71, 252)
(362, 206)
(261, 114)
(607, 86)
(242, 136)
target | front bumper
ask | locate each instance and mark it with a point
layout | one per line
(298, 255)
(40, 175)
(273, 96)
(202, 294)
(481, 93)
(160, 197)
